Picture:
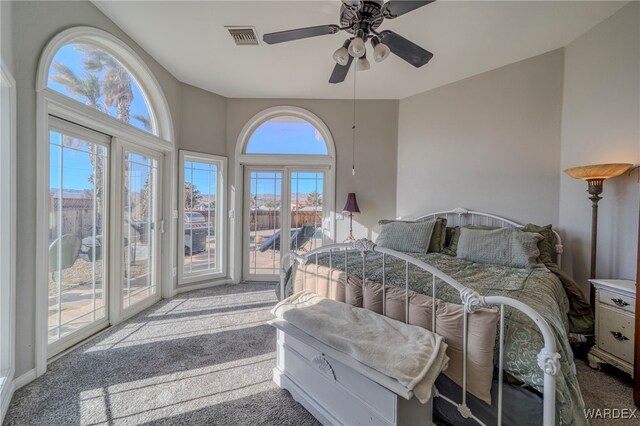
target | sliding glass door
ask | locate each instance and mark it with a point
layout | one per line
(284, 210)
(78, 231)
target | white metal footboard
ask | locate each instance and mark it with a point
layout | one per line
(548, 358)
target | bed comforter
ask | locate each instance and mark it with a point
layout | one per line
(538, 288)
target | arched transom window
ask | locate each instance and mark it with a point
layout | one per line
(286, 134)
(91, 75)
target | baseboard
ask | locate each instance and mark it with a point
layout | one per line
(24, 379)
(188, 287)
(5, 399)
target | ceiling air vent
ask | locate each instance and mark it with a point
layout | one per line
(243, 36)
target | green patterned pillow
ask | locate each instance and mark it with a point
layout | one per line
(436, 244)
(411, 237)
(547, 244)
(507, 246)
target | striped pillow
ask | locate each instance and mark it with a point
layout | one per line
(507, 247)
(410, 237)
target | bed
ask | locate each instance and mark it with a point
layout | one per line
(534, 380)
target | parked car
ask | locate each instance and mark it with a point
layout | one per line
(195, 233)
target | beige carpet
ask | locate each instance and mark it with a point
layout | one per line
(608, 388)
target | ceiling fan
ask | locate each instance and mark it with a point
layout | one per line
(361, 18)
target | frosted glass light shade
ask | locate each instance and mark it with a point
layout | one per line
(357, 48)
(598, 171)
(363, 64)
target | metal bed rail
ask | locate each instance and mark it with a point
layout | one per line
(548, 358)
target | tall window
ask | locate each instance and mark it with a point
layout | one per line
(202, 209)
(106, 135)
(91, 75)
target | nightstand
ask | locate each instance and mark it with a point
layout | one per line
(614, 328)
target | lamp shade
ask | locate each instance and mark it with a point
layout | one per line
(598, 171)
(351, 206)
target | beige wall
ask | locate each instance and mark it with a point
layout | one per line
(34, 24)
(600, 124)
(6, 34)
(203, 121)
(376, 147)
(490, 142)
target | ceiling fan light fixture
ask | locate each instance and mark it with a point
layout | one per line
(363, 64)
(357, 48)
(341, 55)
(380, 51)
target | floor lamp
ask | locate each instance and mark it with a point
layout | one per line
(595, 175)
(350, 208)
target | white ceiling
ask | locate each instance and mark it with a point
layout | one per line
(466, 37)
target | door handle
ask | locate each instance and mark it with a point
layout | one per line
(162, 226)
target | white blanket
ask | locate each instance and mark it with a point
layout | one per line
(409, 354)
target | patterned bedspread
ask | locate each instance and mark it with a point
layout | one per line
(538, 288)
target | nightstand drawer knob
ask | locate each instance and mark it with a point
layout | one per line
(619, 336)
(620, 302)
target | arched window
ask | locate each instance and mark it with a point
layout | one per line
(287, 134)
(107, 155)
(91, 75)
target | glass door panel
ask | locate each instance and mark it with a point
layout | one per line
(140, 212)
(263, 207)
(200, 196)
(307, 212)
(78, 233)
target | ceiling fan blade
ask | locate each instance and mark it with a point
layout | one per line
(340, 72)
(300, 33)
(393, 9)
(405, 49)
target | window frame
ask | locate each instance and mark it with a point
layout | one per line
(52, 104)
(242, 159)
(98, 42)
(221, 221)
(7, 245)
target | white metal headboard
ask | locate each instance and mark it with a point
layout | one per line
(461, 217)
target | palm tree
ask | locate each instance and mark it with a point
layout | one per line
(117, 83)
(87, 87)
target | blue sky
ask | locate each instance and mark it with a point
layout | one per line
(278, 136)
(71, 57)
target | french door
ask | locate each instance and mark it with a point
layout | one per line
(103, 256)
(284, 210)
(79, 233)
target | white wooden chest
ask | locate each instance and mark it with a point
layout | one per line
(339, 390)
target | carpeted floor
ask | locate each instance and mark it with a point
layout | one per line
(203, 357)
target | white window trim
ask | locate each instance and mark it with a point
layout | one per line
(8, 245)
(221, 219)
(52, 103)
(242, 159)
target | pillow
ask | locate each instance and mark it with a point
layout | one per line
(449, 324)
(547, 244)
(453, 235)
(507, 247)
(436, 245)
(451, 240)
(412, 237)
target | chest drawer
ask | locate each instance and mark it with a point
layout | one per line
(611, 298)
(615, 332)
